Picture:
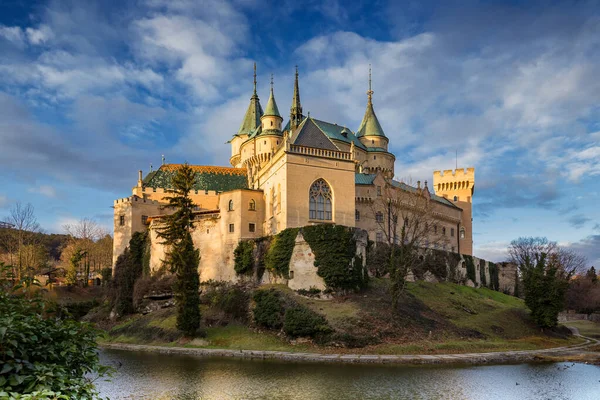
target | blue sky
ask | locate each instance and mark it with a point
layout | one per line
(91, 92)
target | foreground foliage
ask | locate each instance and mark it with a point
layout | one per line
(43, 356)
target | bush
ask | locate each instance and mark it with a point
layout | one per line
(106, 275)
(378, 258)
(482, 273)
(312, 292)
(244, 261)
(470, 268)
(230, 299)
(494, 280)
(302, 321)
(268, 309)
(148, 285)
(277, 259)
(44, 356)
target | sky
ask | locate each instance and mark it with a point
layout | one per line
(91, 92)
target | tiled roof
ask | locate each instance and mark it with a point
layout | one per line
(364, 179)
(434, 197)
(376, 150)
(334, 131)
(370, 125)
(212, 178)
(252, 117)
(271, 108)
(311, 136)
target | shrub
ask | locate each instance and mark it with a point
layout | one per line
(334, 248)
(106, 275)
(482, 272)
(302, 321)
(44, 356)
(268, 309)
(312, 292)
(230, 299)
(494, 280)
(470, 268)
(147, 285)
(277, 259)
(378, 257)
(243, 256)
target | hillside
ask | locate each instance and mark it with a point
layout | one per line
(430, 318)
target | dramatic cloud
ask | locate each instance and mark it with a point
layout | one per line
(578, 221)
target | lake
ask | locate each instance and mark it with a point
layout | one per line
(159, 376)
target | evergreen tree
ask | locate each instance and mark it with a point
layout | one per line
(591, 275)
(181, 257)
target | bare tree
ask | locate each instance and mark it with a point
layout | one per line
(526, 252)
(406, 216)
(25, 226)
(84, 233)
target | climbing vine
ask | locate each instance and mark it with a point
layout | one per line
(334, 247)
(277, 259)
(470, 268)
(482, 273)
(494, 281)
(244, 262)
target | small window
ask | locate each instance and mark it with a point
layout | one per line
(252, 205)
(252, 227)
(207, 231)
(378, 190)
(462, 233)
(144, 219)
(121, 220)
(453, 249)
(455, 198)
(406, 222)
(230, 208)
(357, 215)
(372, 141)
(379, 216)
(379, 237)
(271, 123)
(435, 229)
(265, 142)
(374, 157)
(444, 232)
(291, 274)
(452, 232)
(231, 228)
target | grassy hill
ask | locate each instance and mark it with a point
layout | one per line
(430, 318)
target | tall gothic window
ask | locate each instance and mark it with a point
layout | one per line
(320, 201)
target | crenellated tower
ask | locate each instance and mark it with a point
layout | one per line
(458, 186)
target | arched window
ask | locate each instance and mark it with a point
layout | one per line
(230, 208)
(455, 198)
(320, 199)
(462, 233)
(252, 205)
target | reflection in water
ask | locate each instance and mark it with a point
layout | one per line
(156, 376)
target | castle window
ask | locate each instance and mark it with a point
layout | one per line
(455, 198)
(271, 123)
(374, 157)
(406, 222)
(452, 232)
(379, 216)
(462, 233)
(121, 220)
(378, 190)
(444, 232)
(145, 219)
(357, 215)
(435, 229)
(379, 237)
(372, 141)
(231, 228)
(320, 199)
(252, 227)
(252, 205)
(230, 208)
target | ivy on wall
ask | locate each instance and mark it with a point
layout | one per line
(470, 268)
(243, 260)
(334, 247)
(277, 258)
(494, 281)
(482, 273)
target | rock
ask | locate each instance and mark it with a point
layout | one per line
(410, 277)
(429, 277)
(199, 342)
(470, 283)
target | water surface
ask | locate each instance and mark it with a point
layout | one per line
(159, 376)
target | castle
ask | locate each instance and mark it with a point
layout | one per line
(305, 172)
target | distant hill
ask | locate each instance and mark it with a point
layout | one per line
(53, 242)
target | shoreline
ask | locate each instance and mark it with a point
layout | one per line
(565, 353)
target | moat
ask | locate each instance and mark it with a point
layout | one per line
(156, 376)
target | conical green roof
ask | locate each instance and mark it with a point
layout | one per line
(271, 109)
(370, 125)
(252, 117)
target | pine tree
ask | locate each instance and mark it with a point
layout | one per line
(181, 257)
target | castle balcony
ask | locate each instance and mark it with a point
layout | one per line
(316, 152)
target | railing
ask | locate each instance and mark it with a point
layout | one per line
(312, 151)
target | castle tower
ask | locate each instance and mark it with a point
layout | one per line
(459, 186)
(249, 124)
(271, 119)
(296, 116)
(370, 132)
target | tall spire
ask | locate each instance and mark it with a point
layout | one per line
(253, 113)
(370, 125)
(296, 108)
(271, 109)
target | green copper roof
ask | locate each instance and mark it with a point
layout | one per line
(252, 117)
(271, 108)
(434, 197)
(334, 131)
(370, 124)
(364, 179)
(219, 179)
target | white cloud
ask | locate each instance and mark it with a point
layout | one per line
(3, 201)
(40, 35)
(44, 190)
(13, 34)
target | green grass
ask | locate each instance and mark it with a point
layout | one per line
(244, 338)
(586, 328)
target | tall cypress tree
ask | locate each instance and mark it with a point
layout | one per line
(181, 256)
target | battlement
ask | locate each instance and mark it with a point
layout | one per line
(135, 199)
(457, 173)
(151, 190)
